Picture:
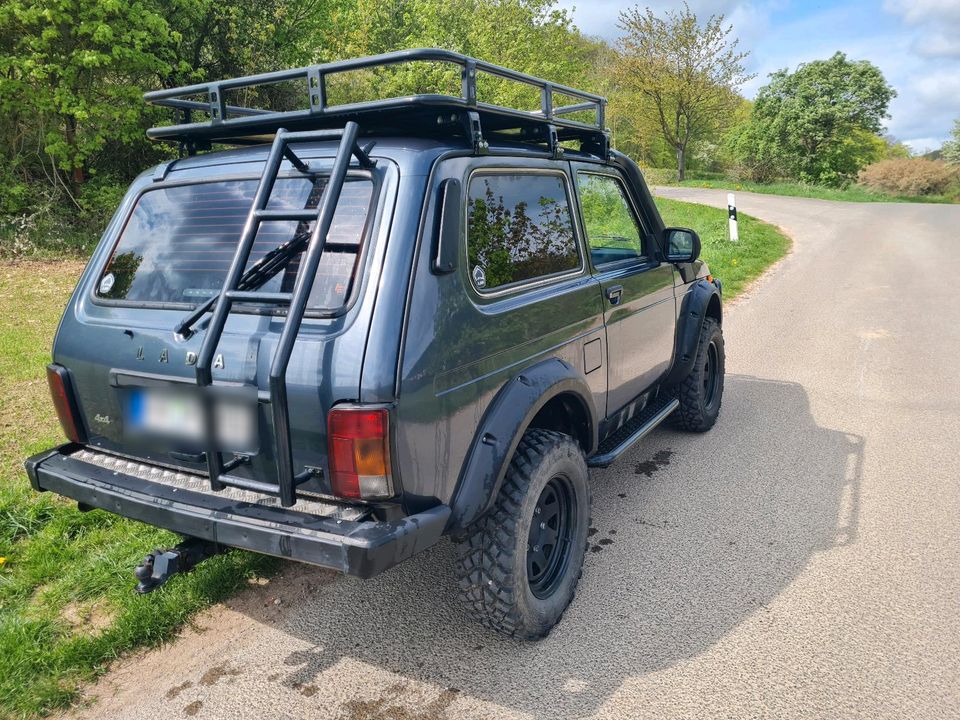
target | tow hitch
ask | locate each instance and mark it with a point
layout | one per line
(161, 565)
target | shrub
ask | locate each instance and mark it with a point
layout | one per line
(909, 176)
(98, 200)
(659, 176)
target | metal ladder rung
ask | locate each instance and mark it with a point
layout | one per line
(281, 215)
(275, 298)
(248, 484)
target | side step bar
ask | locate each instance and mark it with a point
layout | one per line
(632, 432)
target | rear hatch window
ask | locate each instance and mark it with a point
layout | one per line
(178, 242)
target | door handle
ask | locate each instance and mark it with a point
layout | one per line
(614, 293)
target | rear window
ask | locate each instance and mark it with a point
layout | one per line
(519, 228)
(178, 242)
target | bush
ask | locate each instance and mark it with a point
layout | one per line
(909, 176)
(54, 223)
(99, 200)
(659, 176)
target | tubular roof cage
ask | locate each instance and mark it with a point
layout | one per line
(430, 114)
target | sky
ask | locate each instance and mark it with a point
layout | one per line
(916, 43)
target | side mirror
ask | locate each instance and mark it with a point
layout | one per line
(683, 245)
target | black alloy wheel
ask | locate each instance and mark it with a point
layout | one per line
(549, 540)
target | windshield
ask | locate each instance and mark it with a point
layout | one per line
(178, 242)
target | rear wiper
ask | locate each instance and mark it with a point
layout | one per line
(264, 269)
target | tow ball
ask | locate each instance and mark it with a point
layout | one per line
(161, 565)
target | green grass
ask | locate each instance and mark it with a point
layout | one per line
(854, 193)
(736, 264)
(67, 605)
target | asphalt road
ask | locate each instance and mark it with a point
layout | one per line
(800, 560)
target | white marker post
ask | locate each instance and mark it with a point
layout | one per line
(732, 213)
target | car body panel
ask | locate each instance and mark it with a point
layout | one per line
(461, 348)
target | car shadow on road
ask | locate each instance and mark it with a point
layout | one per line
(692, 536)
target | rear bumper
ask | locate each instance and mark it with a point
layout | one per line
(362, 548)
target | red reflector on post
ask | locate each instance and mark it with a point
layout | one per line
(358, 440)
(63, 402)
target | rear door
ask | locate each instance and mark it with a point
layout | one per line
(171, 252)
(637, 288)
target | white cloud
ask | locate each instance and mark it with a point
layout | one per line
(919, 146)
(921, 11)
(938, 45)
(935, 24)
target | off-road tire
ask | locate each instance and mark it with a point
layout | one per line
(699, 400)
(493, 554)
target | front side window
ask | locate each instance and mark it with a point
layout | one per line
(519, 229)
(179, 241)
(612, 229)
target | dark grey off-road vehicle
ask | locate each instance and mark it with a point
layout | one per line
(361, 327)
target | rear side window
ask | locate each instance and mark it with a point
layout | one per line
(518, 228)
(612, 229)
(178, 242)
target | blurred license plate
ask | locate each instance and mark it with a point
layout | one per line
(178, 416)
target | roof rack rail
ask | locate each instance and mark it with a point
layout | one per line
(420, 114)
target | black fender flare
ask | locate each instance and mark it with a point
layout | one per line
(503, 424)
(693, 311)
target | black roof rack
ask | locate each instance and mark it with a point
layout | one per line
(421, 114)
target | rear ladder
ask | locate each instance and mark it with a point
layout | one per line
(295, 301)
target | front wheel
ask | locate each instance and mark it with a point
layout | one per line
(701, 392)
(520, 563)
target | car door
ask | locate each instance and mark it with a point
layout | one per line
(637, 287)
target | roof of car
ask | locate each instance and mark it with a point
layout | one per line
(414, 155)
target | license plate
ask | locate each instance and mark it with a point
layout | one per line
(178, 416)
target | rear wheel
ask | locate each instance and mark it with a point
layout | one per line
(520, 563)
(701, 392)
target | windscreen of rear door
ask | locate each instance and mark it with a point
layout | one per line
(178, 241)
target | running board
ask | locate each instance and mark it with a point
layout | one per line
(633, 431)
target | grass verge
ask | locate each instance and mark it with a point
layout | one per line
(853, 193)
(67, 605)
(736, 264)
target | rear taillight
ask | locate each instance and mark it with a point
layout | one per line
(359, 453)
(65, 403)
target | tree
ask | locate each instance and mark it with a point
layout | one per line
(683, 73)
(76, 68)
(951, 148)
(532, 36)
(820, 123)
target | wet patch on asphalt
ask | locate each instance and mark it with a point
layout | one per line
(177, 689)
(395, 703)
(648, 467)
(217, 673)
